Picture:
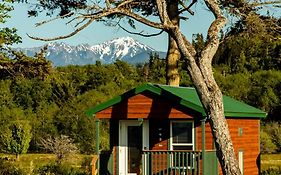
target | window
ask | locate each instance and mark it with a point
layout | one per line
(182, 135)
(182, 138)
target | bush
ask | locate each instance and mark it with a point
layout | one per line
(271, 171)
(273, 129)
(59, 169)
(267, 146)
(6, 168)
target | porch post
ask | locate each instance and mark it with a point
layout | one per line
(203, 121)
(97, 122)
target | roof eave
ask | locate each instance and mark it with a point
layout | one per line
(245, 114)
(119, 98)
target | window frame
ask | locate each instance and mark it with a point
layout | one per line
(182, 144)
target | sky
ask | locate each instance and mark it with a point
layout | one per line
(97, 32)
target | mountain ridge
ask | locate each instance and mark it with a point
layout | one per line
(124, 48)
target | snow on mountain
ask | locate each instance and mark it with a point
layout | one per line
(124, 48)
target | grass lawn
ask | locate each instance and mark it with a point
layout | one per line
(270, 161)
(30, 161)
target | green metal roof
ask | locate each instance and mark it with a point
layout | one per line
(186, 97)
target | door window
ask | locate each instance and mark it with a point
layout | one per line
(134, 149)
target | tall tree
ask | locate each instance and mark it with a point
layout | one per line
(199, 65)
(16, 137)
(173, 54)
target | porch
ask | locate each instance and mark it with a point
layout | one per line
(164, 162)
(180, 162)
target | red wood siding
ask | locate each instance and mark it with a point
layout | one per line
(145, 106)
(248, 142)
(209, 143)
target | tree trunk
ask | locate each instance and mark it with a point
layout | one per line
(17, 157)
(199, 67)
(173, 54)
(200, 71)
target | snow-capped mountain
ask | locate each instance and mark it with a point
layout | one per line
(126, 49)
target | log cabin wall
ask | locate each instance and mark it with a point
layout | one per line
(245, 137)
(209, 142)
(145, 105)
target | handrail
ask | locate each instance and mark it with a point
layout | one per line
(172, 162)
(211, 150)
(170, 151)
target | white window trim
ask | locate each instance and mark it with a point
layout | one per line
(182, 144)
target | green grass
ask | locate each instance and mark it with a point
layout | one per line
(270, 161)
(31, 161)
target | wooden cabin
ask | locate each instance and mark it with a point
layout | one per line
(160, 129)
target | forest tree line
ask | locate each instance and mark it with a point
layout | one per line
(47, 101)
(53, 100)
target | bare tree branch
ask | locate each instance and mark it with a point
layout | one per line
(64, 36)
(256, 4)
(53, 19)
(140, 33)
(99, 15)
(187, 8)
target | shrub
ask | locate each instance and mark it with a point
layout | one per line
(273, 129)
(61, 146)
(267, 146)
(272, 171)
(59, 169)
(6, 168)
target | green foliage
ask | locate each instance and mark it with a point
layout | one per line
(271, 171)
(59, 169)
(273, 129)
(155, 70)
(266, 144)
(251, 45)
(16, 137)
(23, 66)
(5, 95)
(8, 36)
(260, 89)
(7, 168)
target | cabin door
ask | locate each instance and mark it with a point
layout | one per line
(133, 138)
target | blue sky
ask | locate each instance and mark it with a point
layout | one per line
(97, 32)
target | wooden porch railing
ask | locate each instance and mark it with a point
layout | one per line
(180, 162)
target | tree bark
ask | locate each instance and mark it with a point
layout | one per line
(173, 54)
(17, 157)
(200, 70)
